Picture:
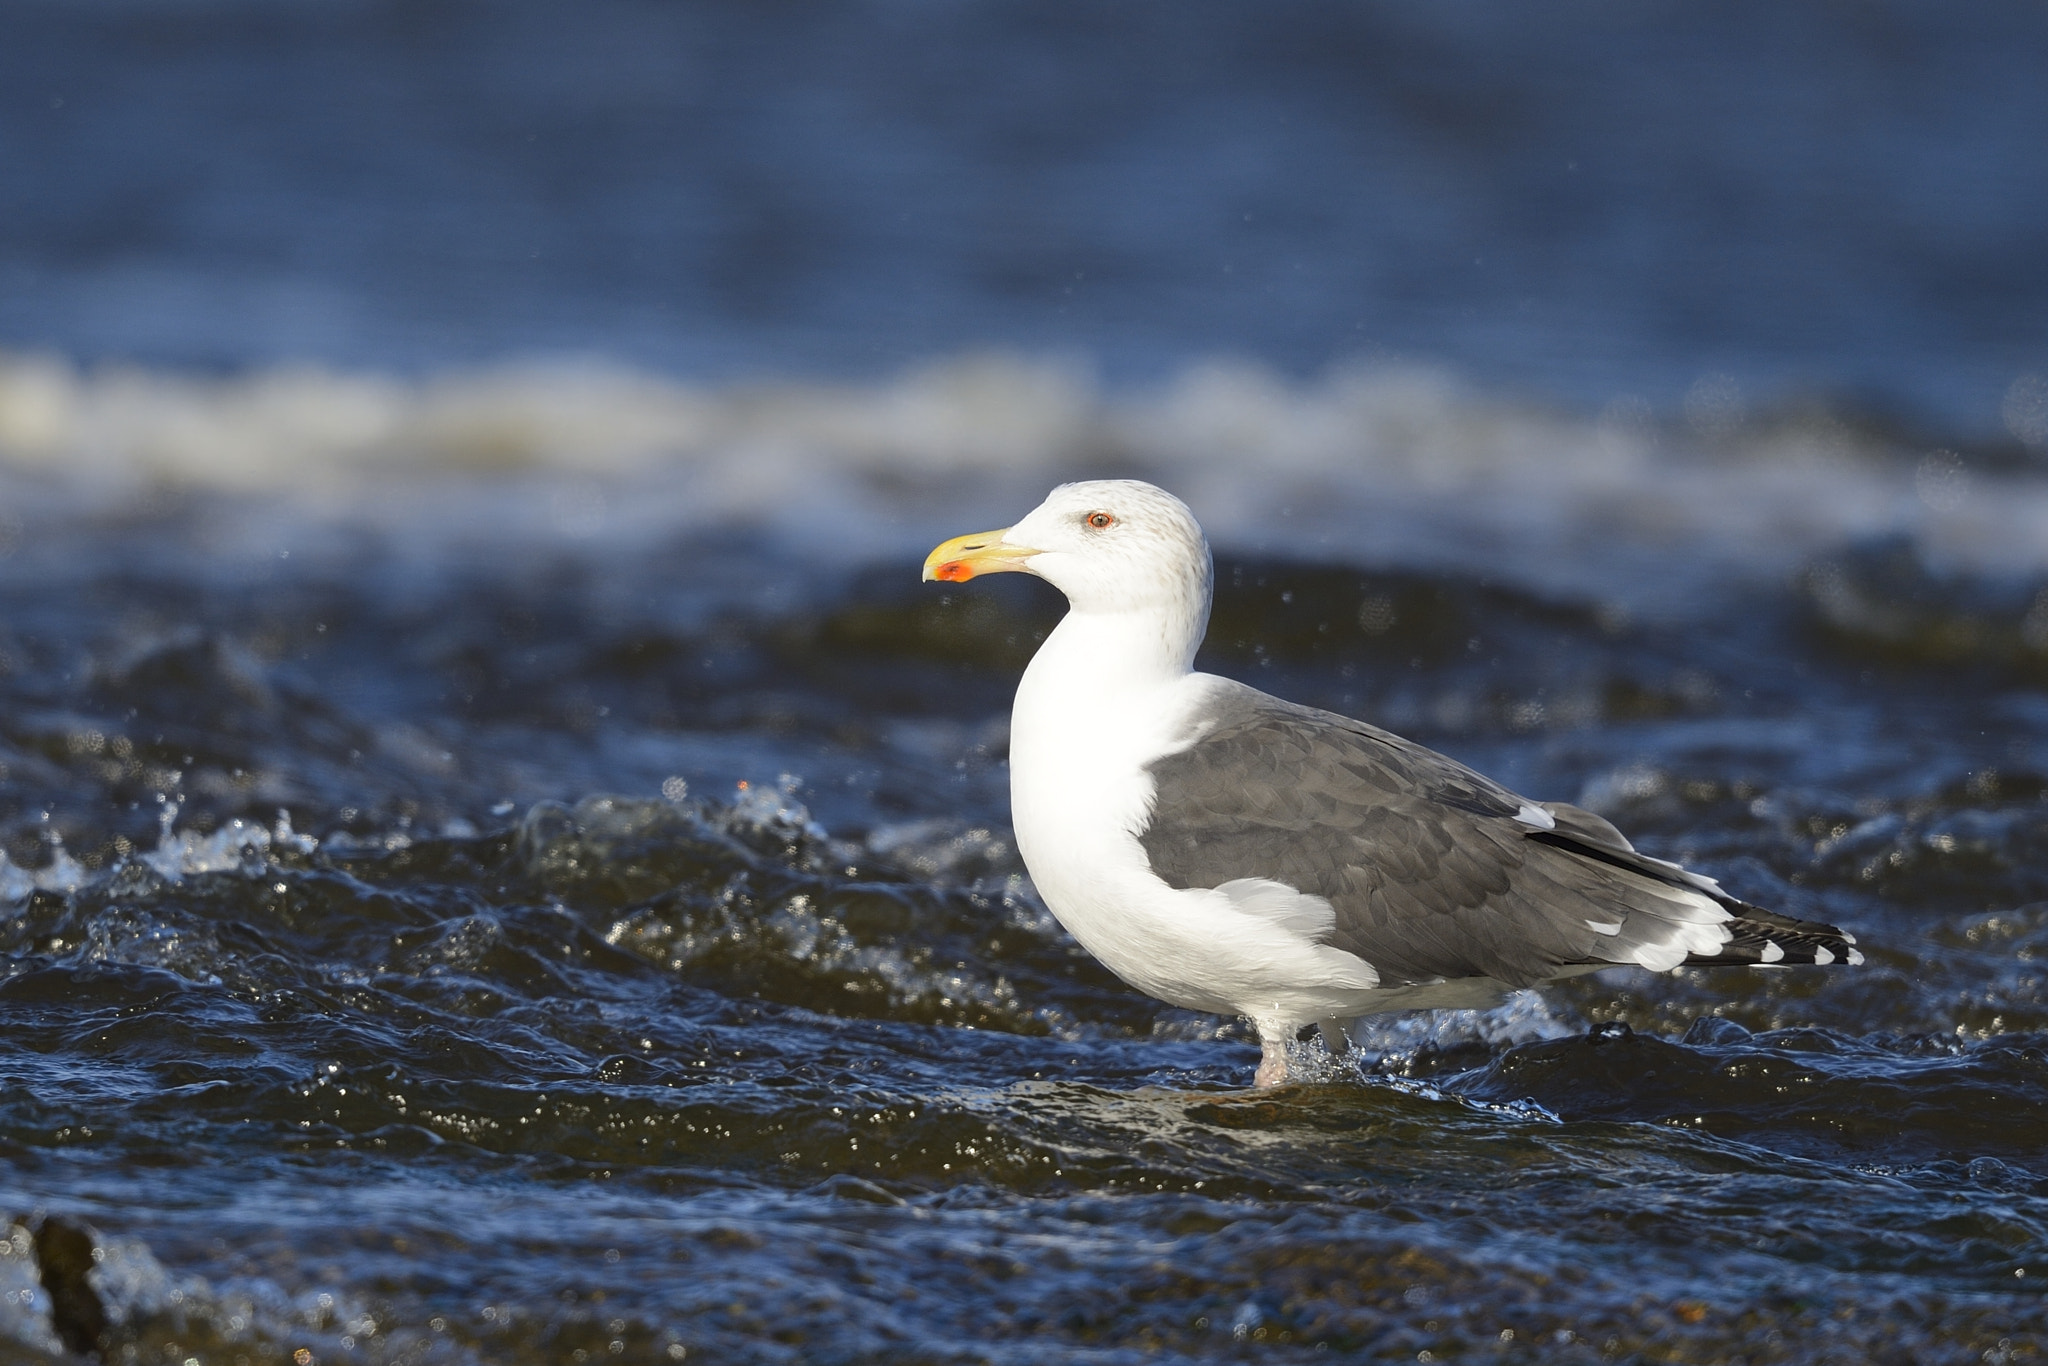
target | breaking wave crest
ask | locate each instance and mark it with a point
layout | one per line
(1393, 463)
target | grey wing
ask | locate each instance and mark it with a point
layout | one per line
(1430, 871)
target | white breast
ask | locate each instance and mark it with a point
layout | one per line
(1081, 736)
(1079, 792)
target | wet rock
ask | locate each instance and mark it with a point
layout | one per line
(65, 1255)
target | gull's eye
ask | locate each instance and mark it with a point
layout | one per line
(1100, 521)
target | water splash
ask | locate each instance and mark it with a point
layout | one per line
(1390, 1044)
(15, 882)
(61, 874)
(774, 808)
(237, 846)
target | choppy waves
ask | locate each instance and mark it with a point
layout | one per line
(505, 867)
(697, 1079)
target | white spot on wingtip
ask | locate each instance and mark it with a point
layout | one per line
(1855, 959)
(1848, 938)
(1666, 957)
(1772, 951)
(1823, 957)
(1532, 814)
(1599, 928)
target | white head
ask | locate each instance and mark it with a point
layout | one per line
(1111, 545)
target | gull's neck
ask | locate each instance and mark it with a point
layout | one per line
(1102, 695)
(1095, 660)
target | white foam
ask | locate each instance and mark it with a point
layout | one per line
(239, 845)
(1391, 464)
(15, 882)
(1522, 1016)
(62, 873)
(236, 845)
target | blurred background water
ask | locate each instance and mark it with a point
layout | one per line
(501, 861)
(1572, 201)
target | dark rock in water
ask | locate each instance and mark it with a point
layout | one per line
(64, 1255)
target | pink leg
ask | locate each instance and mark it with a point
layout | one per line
(1272, 1061)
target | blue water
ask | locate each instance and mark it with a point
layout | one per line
(1572, 200)
(501, 861)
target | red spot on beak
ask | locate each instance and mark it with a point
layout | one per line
(954, 571)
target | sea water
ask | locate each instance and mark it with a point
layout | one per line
(501, 860)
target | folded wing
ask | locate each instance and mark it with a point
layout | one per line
(1434, 871)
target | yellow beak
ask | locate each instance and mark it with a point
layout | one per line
(961, 558)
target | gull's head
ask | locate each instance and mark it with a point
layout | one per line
(1111, 545)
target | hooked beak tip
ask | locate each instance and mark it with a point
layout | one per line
(963, 557)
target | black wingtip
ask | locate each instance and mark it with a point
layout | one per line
(1765, 938)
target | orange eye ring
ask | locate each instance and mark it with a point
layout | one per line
(1100, 521)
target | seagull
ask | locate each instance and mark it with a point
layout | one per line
(1230, 852)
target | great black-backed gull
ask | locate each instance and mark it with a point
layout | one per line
(1230, 852)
